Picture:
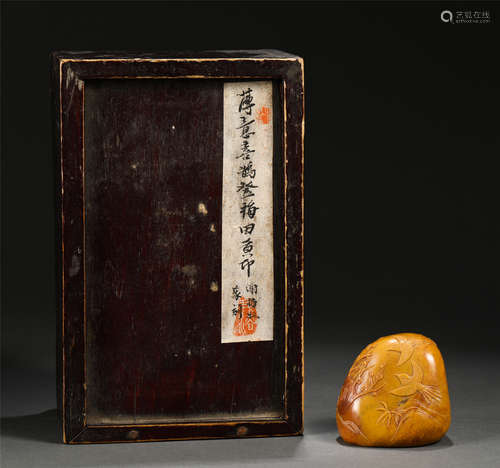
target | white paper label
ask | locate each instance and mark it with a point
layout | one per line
(247, 213)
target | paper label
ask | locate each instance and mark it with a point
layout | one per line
(247, 213)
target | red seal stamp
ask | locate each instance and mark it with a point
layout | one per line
(245, 322)
(264, 114)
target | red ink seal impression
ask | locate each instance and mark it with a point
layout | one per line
(245, 322)
(264, 114)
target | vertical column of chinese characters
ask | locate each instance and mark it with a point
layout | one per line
(245, 307)
(247, 302)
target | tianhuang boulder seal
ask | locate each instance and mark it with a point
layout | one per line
(395, 395)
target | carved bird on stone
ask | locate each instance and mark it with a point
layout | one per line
(411, 384)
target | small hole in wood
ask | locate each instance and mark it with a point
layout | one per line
(241, 431)
(132, 435)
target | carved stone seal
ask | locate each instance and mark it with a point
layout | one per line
(396, 394)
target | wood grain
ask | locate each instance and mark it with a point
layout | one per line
(139, 147)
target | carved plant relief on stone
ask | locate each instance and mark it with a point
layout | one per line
(395, 394)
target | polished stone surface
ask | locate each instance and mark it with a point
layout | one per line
(395, 395)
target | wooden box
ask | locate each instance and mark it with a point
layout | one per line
(181, 244)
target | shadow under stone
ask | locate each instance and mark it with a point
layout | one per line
(444, 443)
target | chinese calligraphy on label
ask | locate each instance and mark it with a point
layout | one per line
(247, 213)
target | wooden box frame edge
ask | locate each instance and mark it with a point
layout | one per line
(70, 70)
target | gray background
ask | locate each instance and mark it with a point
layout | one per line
(401, 210)
(473, 440)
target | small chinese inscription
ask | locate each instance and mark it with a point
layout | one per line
(247, 228)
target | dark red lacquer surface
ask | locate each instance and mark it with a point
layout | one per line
(141, 189)
(153, 193)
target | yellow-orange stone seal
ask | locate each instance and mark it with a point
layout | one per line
(396, 394)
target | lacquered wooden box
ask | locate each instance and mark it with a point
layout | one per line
(181, 244)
